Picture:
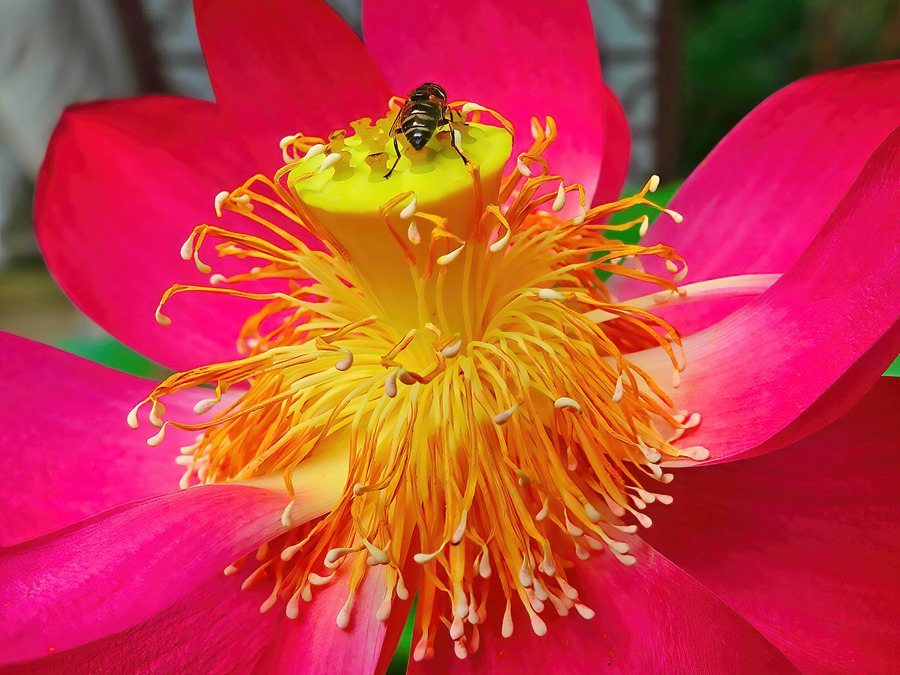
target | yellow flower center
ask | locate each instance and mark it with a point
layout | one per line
(449, 379)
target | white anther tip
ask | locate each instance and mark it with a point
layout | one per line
(653, 184)
(501, 243)
(585, 611)
(410, 209)
(550, 294)
(619, 391)
(452, 350)
(384, 611)
(506, 415)
(448, 258)
(471, 107)
(677, 217)
(645, 225)
(566, 402)
(329, 161)
(524, 170)
(317, 149)
(220, 200)
(412, 233)
(286, 519)
(286, 141)
(380, 556)
(204, 406)
(343, 618)
(538, 626)
(698, 452)
(162, 319)
(579, 219)
(132, 416)
(390, 384)
(560, 200)
(155, 440)
(217, 279)
(346, 362)
(423, 558)
(157, 412)
(187, 248)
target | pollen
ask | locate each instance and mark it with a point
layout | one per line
(452, 351)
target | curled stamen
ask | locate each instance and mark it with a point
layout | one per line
(504, 417)
(410, 209)
(220, 200)
(550, 294)
(346, 362)
(448, 258)
(560, 201)
(565, 402)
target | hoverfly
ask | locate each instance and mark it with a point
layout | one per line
(424, 111)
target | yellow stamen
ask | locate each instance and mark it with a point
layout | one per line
(474, 396)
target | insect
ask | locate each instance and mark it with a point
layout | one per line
(424, 111)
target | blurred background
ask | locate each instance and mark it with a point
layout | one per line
(685, 70)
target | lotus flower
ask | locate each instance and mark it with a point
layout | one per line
(773, 549)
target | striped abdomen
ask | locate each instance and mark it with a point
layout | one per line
(419, 121)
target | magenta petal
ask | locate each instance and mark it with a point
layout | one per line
(803, 542)
(650, 618)
(68, 452)
(616, 150)
(214, 629)
(800, 354)
(284, 66)
(218, 628)
(111, 572)
(754, 204)
(522, 59)
(314, 644)
(123, 185)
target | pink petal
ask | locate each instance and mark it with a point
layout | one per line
(521, 59)
(616, 150)
(800, 354)
(283, 66)
(314, 644)
(112, 572)
(705, 303)
(215, 628)
(756, 202)
(122, 187)
(650, 618)
(68, 452)
(802, 542)
(218, 628)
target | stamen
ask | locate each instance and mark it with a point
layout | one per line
(550, 294)
(560, 201)
(448, 258)
(346, 362)
(565, 402)
(447, 472)
(220, 200)
(506, 415)
(410, 209)
(286, 519)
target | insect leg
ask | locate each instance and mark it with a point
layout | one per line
(396, 161)
(393, 134)
(446, 120)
